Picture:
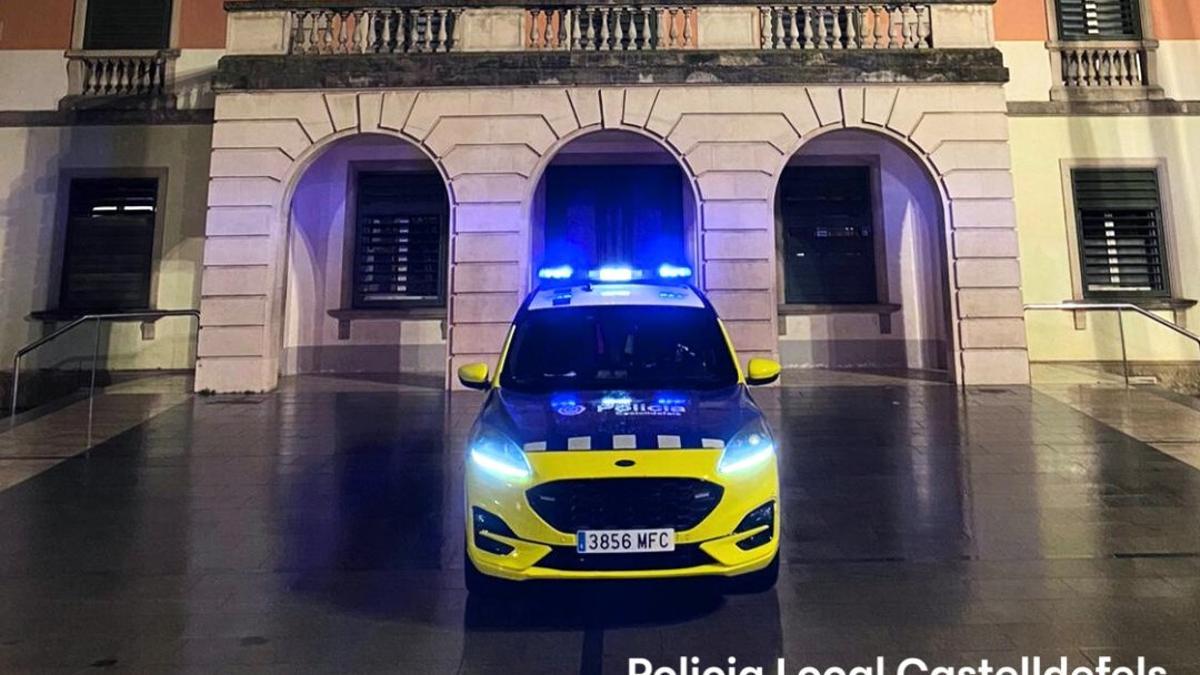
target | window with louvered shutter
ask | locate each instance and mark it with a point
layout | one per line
(400, 240)
(1119, 221)
(828, 235)
(128, 24)
(109, 248)
(1098, 19)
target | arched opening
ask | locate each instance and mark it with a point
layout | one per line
(862, 259)
(367, 272)
(613, 198)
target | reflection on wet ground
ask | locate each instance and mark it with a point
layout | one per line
(320, 530)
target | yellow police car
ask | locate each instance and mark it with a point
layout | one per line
(618, 440)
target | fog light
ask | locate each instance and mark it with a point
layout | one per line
(763, 515)
(483, 521)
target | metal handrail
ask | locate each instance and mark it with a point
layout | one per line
(1120, 308)
(151, 315)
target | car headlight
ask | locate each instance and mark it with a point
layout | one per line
(749, 447)
(497, 454)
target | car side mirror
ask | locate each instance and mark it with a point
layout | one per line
(474, 376)
(762, 371)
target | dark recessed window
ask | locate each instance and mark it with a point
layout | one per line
(400, 240)
(1098, 19)
(828, 235)
(109, 250)
(128, 24)
(1119, 220)
(606, 214)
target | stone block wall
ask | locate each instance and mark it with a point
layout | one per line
(492, 144)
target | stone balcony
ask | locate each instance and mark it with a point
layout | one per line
(1105, 70)
(138, 78)
(139, 81)
(290, 44)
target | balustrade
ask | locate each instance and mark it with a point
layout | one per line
(611, 28)
(373, 31)
(343, 27)
(142, 73)
(865, 26)
(1102, 65)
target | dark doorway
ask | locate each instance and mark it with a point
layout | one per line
(828, 235)
(631, 214)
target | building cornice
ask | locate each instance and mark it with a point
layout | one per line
(240, 73)
(1102, 108)
(102, 117)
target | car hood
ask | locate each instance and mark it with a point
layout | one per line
(608, 419)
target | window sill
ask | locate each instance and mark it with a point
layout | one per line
(389, 313)
(883, 310)
(818, 309)
(345, 317)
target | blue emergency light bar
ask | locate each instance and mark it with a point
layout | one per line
(669, 271)
(613, 273)
(557, 273)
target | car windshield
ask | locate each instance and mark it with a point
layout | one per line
(618, 348)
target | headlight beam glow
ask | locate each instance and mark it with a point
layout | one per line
(498, 466)
(745, 462)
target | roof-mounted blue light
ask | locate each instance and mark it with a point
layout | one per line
(669, 271)
(611, 273)
(558, 272)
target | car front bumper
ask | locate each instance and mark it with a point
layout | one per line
(533, 549)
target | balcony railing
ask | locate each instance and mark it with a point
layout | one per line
(853, 26)
(1104, 69)
(347, 27)
(1103, 64)
(611, 27)
(130, 73)
(372, 31)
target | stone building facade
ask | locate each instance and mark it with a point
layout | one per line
(291, 100)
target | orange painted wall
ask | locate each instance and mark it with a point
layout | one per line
(1176, 19)
(1023, 19)
(202, 24)
(40, 24)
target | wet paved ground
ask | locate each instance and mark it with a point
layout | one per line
(320, 530)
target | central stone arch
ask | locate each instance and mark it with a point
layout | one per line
(616, 195)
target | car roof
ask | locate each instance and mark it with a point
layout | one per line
(628, 294)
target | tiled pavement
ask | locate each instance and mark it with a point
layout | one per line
(30, 446)
(320, 530)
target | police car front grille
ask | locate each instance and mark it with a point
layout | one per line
(624, 503)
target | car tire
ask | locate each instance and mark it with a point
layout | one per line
(759, 581)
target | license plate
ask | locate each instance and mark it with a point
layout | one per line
(624, 541)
